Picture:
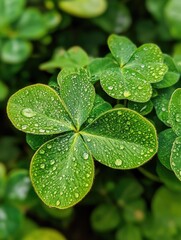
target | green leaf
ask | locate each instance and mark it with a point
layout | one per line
(173, 18)
(62, 171)
(52, 19)
(10, 10)
(165, 140)
(156, 8)
(44, 234)
(160, 206)
(171, 77)
(175, 111)
(161, 103)
(121, 138)
(35, 141)
(176, 157)
(38, 109)
(168, 178)
(129, 232)
(84, 8)
(72, 58)
(121, 48)
(135, 70)
(78, 94)
(2, 180)
(3, 91)
(10, 221)
(103, 220)
(16, 51)
(19, 189)
(142, 108)
(116, 19)
(31, 25)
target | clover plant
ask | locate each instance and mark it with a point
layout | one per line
(70, 125)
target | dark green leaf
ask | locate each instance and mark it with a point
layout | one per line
(142, 108)
(129, 232)
(175, 159)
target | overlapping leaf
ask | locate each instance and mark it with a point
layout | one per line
(136, 69)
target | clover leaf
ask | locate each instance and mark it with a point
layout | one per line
(135, 69)
(62, 169)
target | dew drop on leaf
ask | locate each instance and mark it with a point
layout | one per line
(127, 94)
(24, 127)
(42, 166)
(85, 155)
(58, 203)
(118, 162)
(42, 151)
(178, 118)
(110, 87)
(76, 195)
(28, 112)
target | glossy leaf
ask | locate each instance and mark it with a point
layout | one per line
(161, 103)
(78, 94)
(84, 8)
(44, 234)
(121, 139)
(62, 171)
(171, 77)
(35, 141)
(103, 220)
(176, 157)
(16, 51)
(39, 110)
(165, 140)
(175, 111)
(136, 69)
(10, 10)
(142, 108)
(31, 25)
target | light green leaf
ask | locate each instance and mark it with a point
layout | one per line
(72, 58)
(16, 51)
(62, 171)
(3, 91)
(175, 159)
(121, 48)
(78, 94)
(171, 77)
(175, 111)
(52, 19)
(173, 17)
(10, 10)
(161, 103)
(165, 140)
(31, 25)
(142, 108)
(38, 109)
(103, 220)
(121, 138)
(44, 234)
(156, 8)
(84, 8)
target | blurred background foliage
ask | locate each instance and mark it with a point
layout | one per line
(36, 39)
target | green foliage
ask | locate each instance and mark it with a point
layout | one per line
(93, 117)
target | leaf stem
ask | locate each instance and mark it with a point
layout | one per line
(149, 174)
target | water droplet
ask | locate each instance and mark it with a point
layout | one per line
(121, 147)
(118, 162)
(28, 112)
(126, 94)
(49, 146)
(163, 109)
(42, 151)
(42, 166)
(85, 155)
(52, 162)
(54, 168)
(76, 195)
(41, 130)
(178, 118)
(110, 87)
(24, 127)
(88, 139)
(58, 203)
(119, 112)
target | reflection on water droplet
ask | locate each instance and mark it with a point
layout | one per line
(121, 147)
(118, 162)
(119, 112)
(85, 155)
(178, 118)
(76, 195)
(42, 166)
(42, 151)
(88, 139)
(58, 203)
(126, 94)
(163, 109)
(49, 146)
(110, 87)
(28, 112)
(24, 127)
(52, 162)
